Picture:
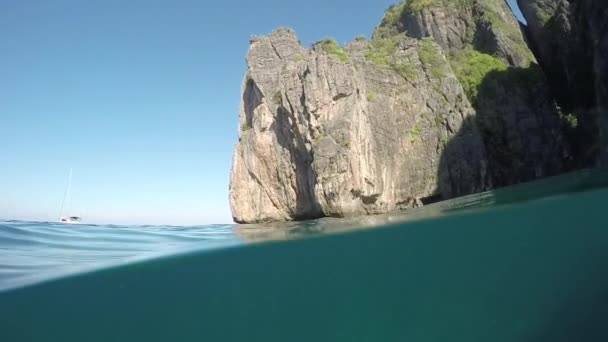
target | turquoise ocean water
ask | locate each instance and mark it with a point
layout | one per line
(526, 263)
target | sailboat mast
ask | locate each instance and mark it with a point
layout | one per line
(67, 194)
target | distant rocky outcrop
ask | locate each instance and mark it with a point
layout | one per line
(445, 100)
(570, 39)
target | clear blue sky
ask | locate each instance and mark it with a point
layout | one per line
(139, 97)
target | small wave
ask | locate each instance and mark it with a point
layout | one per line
(35, 251)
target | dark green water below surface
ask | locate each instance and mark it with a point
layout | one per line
(526, 270)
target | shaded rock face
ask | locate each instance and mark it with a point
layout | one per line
(570, 39)
(328, 136)
(515, 109)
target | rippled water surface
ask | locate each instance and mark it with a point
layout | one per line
(36, 251)
(525, 263)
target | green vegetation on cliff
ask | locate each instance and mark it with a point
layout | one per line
(393, 13)
(510, 29)
(415, 6)
(477, 72)
(245, 127)
(406, 69)
(489, 21)
(430, 56)
(371, 96)
(471, 68)
(330, 46)
(389, 26)
(383, 51)
(476, 59)
(570, 120)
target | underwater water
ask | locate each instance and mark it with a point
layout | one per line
(525, 263)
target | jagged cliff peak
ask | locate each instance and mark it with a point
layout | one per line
(487, 26)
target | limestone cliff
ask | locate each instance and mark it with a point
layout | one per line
(570, 39)
(515, 110)
(326, 132)
(444, 100)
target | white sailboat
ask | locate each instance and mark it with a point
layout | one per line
(66, 200)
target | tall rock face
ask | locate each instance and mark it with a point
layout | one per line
(515, 110)
(366, 129)
(570, 39)
(445, 100)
